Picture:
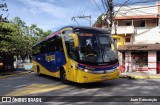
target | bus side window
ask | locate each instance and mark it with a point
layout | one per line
(49, 46)
(69, 44)
(58, 44)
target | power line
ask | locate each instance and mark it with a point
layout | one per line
(106, 8)
(85, 9)
(121, 7)
(81, 7)
(98, 6)
(127, 10)
(73, 19)
(143, 7)
(103, 6)
(106, 5)
(139, 2)
(134, 9)
(117, 12)
(138, 10)
(84, 17)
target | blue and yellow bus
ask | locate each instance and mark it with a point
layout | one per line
(78, 54)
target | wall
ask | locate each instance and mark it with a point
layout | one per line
(128, 11)
(152, 62)
(128, 62)
(147, 36)
(158, 7)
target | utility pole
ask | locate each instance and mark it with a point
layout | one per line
(84, 17)
(110, 13)
(74, 19)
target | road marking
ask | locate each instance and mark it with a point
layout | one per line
(35, 89)
(20, 86)
(1, 77)
(10, 75)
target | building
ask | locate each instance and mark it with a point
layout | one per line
(137, 33)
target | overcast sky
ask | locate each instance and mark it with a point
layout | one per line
(54, 14)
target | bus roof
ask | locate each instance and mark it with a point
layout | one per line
(74, 28)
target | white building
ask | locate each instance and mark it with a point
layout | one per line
(139, 27)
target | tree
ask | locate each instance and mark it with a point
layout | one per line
(98, 22)
(19, 38)
(5, 28)
(45, 34)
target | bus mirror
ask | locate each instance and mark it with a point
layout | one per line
(75, 38)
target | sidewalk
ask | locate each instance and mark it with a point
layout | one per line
(15, 72)
(139, 75)
(132, 75)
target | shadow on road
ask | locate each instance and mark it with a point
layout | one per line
(102, 84)
(48, 77)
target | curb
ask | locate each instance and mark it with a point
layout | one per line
(21, 73)
(154, 77)
(124, 76)
(140, 77)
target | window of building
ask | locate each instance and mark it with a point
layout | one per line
(127, 39)
(158, 57)
(142, 23)
(128, 24)
(139, 59)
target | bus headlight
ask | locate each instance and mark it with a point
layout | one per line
(86, 70)
(92, 70)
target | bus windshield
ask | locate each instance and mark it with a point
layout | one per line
(96, 48)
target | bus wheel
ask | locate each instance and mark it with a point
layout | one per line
(38, 71)
(63, 76)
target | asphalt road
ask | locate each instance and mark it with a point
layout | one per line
(33, 85)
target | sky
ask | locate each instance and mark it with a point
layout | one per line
(55, 14)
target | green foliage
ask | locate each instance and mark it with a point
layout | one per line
(18, 38)
(45, 34)
(99, 20)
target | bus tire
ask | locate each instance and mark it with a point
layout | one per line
(63, 76)
(38, 71)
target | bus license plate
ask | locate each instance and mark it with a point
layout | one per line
(104, 77)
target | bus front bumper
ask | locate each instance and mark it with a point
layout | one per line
(85, 77)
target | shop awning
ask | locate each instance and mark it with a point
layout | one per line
(140, 47)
